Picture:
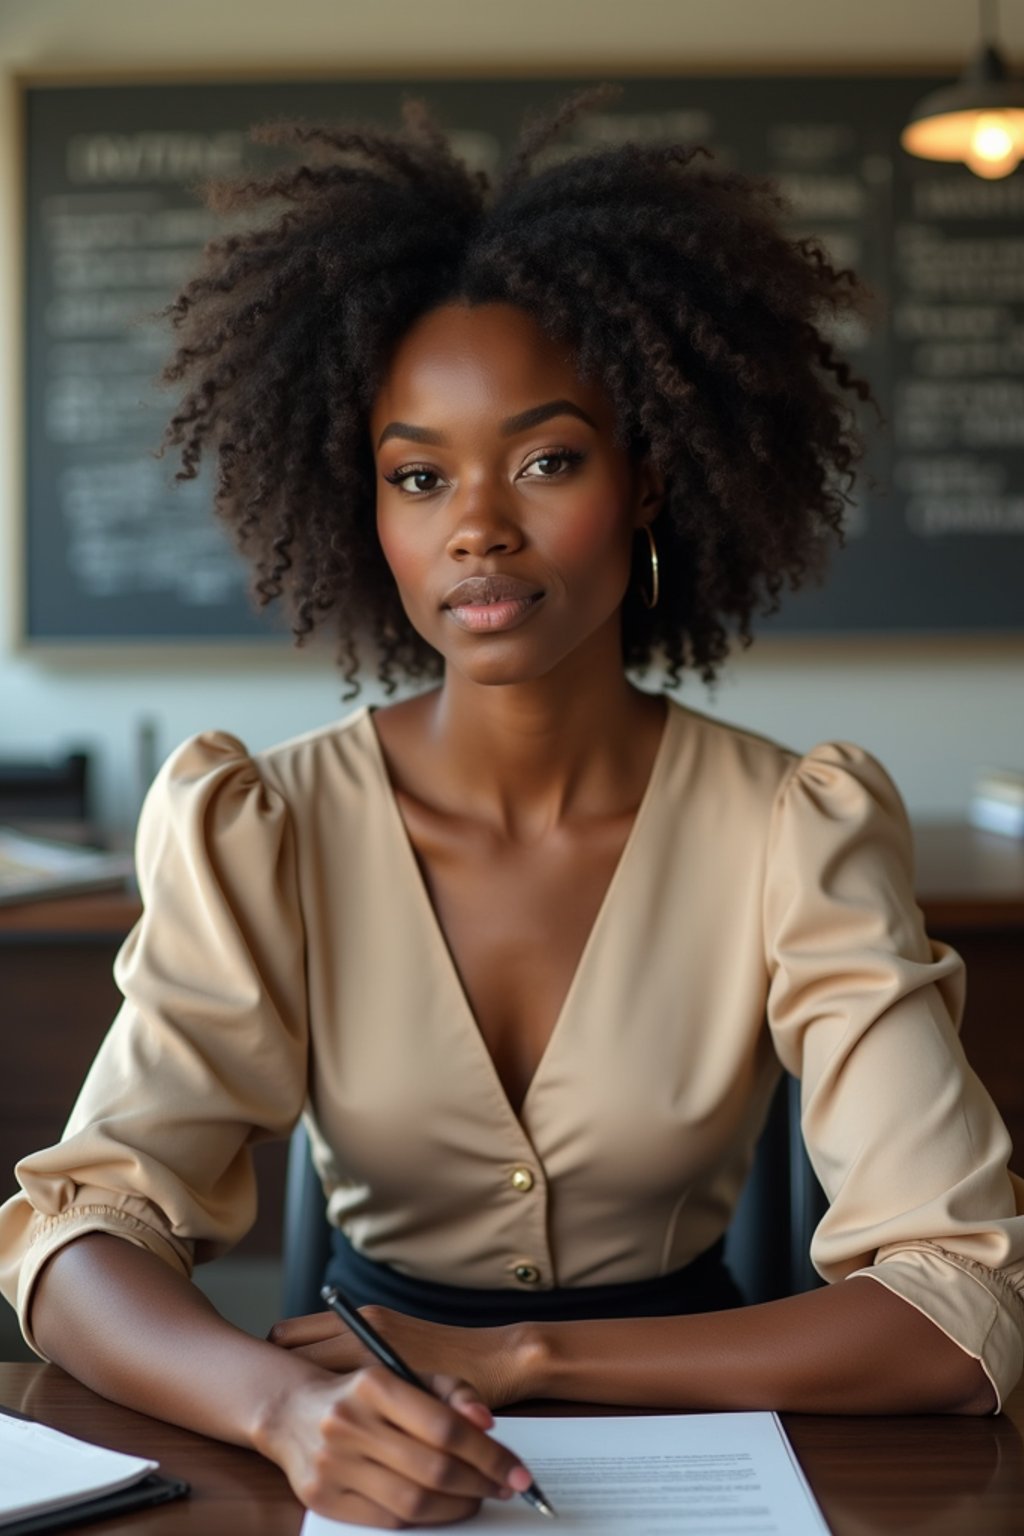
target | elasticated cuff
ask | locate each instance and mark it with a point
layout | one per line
(57, 1231)
(945, 1288)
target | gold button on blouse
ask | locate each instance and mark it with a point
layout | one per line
(528, 1274)
(522, 1179)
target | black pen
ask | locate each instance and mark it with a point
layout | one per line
(387, 1356)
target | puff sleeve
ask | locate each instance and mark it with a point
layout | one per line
(207, 1053)
(865, 1009)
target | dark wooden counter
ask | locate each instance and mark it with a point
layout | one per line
(967, 879)
(103, 914)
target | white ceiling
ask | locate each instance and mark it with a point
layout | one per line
(405, 36)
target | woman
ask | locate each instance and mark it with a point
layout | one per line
(530, 946)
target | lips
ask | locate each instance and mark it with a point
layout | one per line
(487, 605)
(490, 589)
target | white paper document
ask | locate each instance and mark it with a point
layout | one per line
(686, 1474)
(42, 1470)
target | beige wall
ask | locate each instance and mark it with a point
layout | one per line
(411, 34)
(933, 711)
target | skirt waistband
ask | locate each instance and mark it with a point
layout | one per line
(704, 1285)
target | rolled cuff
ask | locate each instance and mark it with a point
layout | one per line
(55, 1232)
(974, 1306)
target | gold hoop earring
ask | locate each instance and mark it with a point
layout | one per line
(651, 602)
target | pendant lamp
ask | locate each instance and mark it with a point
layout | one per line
(979, 120)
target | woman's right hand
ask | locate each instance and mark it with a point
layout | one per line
(373, 1450)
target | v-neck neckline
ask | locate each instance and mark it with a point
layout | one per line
(440, 942)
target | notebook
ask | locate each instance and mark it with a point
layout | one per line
(45, 1475)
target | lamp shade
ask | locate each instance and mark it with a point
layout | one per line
(979, 120)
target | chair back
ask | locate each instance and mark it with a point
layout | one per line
(306, 1241)
(768, 1240)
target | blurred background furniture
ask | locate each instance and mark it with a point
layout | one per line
(50, 798)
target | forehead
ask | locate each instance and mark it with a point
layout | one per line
(476, 358)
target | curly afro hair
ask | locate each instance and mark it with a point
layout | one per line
(673, 285)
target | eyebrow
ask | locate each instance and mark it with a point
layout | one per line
(508, 428)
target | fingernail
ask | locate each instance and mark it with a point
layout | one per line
(519, 1479)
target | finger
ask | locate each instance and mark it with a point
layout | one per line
(290, 1332)
(433, 1422)
(416, 1504)
(364, 1437)
(464, 1398)
(409, 1503)
(342, 1504)
(477, 1413)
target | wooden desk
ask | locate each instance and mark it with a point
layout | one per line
(937, 1475)
(59, 996)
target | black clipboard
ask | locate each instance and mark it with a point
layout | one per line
(151, 1489)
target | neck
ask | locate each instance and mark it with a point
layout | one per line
(528, 757)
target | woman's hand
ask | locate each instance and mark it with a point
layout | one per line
(373, 1450)
(493, 1360)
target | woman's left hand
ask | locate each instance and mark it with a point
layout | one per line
(492, 1359)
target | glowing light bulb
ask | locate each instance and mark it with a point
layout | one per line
(995, 149)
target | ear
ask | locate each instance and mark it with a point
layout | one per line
(648, 493)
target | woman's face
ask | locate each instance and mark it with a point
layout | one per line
(494, 460)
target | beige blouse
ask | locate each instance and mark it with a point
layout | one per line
(289, 962)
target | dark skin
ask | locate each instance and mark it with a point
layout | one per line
(518, 781)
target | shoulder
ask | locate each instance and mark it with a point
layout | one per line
(749, 769)
(718, 751)
(340, 754)
(213, 779)
(295, 763)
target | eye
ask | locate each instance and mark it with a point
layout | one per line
(554, 463)
(417, 473)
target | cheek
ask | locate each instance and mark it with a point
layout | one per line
(596, 532)
(399, 551)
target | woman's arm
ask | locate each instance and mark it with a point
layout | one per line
(124, 1323)
(852, 1347)
(366, 1448)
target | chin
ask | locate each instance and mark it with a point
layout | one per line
(501, 672)
(502, 661)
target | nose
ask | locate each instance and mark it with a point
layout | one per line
(483, 526)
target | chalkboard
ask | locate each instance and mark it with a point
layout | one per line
(936, 537)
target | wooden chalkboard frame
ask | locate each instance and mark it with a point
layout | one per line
(274, 649)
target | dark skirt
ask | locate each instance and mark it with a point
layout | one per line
(705, 1285)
